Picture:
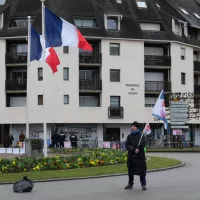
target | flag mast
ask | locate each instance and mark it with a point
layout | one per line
(43, 51)
(28, 65)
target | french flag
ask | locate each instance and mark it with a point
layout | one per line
(59, 32)
(50, 55)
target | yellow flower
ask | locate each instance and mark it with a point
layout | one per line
(79, 160)
(45, 163)
(68, 165)
(125, 158)
(97, 161)
(24, 169)
(34, 169)
(92, 162)
(111, 153)
(37, 167)
(13, 162)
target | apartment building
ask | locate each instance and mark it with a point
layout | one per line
(140, 48)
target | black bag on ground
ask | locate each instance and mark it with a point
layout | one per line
(24, 185)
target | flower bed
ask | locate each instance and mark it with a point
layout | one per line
(100, 157)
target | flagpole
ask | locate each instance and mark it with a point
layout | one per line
(28, 65)
(43, 50)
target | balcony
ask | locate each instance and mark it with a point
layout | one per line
(16, 58)
(197, 89)
(157, 60)
(157, 86)
(115, 112)
(16, 85)
(88, 85)
(197, 66)
(90, 58)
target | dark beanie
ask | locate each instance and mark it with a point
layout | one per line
(136, 124)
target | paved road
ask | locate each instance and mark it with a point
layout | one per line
(176, 184)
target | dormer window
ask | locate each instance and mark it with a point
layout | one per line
(20, 22)
(85, 22)
(1, 20)
(141, 4)
(179, 28)
(112, 22)
(184, 11)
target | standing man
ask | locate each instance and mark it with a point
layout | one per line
(136, 161)
(62, 139)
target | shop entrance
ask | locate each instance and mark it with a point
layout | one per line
(112, 134)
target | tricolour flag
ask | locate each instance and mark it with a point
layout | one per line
(147, 129)
(50, 55)
(59, 32)
(159, 109)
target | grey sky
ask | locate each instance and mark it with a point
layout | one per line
(2, 1)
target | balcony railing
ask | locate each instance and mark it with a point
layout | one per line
(90, 58)
(115, 112)
(197, 89)
(157, 60)
(16, 85)
(16, 58)
(157, 86)
(93, 84)
(197, 66)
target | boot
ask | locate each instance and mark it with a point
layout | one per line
(144, 187)
(129, 186)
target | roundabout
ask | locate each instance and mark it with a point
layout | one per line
(181, 183)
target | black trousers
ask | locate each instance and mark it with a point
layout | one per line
(55, 144)
(62, 144)
(134, 169)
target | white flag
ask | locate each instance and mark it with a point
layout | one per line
(147, 129)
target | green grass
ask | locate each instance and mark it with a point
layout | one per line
(152, 163)
(173, 150)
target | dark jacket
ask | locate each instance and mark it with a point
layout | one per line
(136, 161)
(62, 137)
(55, 137)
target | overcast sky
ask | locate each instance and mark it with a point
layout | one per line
(2, 1)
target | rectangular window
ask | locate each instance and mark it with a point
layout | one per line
(182, 53)
(40, 100)
(150, 26)
(114, 101)
(141, 4)
(23, 23)
(89, 101)
(112, 23)
(65, 73)
(65, 49)
(66, 99)
(40, 74)
(87, 23)
(183, 76)
(114, 49)
(114, 75)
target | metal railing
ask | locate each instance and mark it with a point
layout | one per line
(197, 66)
(197, 89)
(16, 85)
(90, 84)
(152, 60)
(157, 86)
(16, 58)
(115, 112)
(90, 58)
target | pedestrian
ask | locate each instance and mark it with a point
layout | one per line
(55, 139)
(62, 138)
(11, 139)
(136, 161)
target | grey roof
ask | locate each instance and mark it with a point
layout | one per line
(132, 16)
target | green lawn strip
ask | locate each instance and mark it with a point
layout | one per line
(173, 150)
(152, 163)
